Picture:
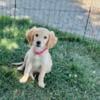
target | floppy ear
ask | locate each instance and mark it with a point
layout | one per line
(30, 35)
(52, 40)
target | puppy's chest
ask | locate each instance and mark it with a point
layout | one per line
(37, 61)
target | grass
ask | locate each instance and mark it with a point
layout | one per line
(76, 64)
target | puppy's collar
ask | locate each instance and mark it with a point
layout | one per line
(40, 52)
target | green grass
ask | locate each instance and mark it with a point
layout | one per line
(76, 66)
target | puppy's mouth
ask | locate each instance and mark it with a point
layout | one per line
(38, 45)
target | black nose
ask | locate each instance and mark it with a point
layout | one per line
(38, 42)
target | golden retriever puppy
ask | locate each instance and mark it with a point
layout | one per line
(38, 58)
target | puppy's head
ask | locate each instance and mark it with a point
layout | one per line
(41, 38)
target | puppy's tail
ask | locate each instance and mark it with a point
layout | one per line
(20, 65)
(17, 63)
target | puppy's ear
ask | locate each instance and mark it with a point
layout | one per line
(30, 35)
(52, 40)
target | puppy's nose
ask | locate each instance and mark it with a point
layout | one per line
(38, 42)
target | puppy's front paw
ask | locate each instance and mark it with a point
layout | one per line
(42, 85)
(23, 80)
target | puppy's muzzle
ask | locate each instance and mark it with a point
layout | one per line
(38, 43)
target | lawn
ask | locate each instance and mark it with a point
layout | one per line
(76, 66)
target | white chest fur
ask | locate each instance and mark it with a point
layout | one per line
(37, 61)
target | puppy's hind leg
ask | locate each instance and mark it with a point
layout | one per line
(20, 68)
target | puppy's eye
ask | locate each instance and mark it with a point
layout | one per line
(36, 35)
(45, 37)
